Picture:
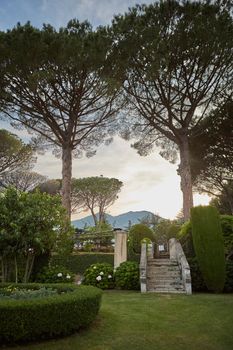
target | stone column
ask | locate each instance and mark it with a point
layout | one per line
(120, 250)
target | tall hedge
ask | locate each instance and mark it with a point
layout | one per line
(208, 245)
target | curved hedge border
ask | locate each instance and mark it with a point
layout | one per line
(60, 314)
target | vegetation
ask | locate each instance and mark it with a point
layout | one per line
(212, 155)
(55, 274)
(95, 193)
(30, 224)
(209, 246)
(223, 200)
(135, 321)
(169, 79)
(136, 235)
(99, 275)
(78, 263)
(65, 101)
(127, 276)
(166, 229)
(58, 314)
(14, 153)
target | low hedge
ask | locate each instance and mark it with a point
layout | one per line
(78, 263)
(60, 314)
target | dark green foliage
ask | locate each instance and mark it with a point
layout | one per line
(127, 276)
(73, 307)
(136, 235)
(185, 238)
(80, 262)
(198, 284)
(99, 275)
(55, 274)
(227, 229)
(208, 245)
(229, 277)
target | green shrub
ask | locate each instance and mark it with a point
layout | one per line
(229, 277)
(60, 314)
(78, 263)
(227, 229)
(99, 275)
(198, 283)
(185, 238)
(136, 234)
(127, 276)
(55, 274)
(208, 245)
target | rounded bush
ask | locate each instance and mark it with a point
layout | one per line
(127, 276)
(99, 275)
(136, 234)
(66, 311)
(55, 274)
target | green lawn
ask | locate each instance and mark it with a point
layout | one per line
(134, 321)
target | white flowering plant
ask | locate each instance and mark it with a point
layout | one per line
(55, 274)
(99, 275)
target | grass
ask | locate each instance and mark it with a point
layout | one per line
(134, 321)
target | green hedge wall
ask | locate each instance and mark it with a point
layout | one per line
(59, 314)
(80, 262)
(209, 246)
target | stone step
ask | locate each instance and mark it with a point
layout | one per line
(161, 272)
(164, 280)
(161, 290)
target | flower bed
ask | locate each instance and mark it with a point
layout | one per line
(59, 313)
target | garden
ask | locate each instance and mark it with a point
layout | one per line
(158, 75)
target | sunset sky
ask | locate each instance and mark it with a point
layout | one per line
(150, 183)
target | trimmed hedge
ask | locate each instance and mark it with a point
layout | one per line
(80, 262)
(60, 314)
(208, 245)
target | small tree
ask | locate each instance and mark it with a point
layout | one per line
(209, 246)
(30, 224)
(95, 193)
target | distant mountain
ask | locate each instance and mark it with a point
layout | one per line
(119, 221)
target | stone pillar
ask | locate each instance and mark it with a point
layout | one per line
(120, 250)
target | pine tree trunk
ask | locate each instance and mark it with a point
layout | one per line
(66, 178)
(186, 179)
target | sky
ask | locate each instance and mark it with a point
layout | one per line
(150, 183)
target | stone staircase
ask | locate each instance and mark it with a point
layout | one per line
(164, 276)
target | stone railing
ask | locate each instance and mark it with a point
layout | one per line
(143, 267)
(177, 253)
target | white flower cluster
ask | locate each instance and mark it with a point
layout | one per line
(60, 275)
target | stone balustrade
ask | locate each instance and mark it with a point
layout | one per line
(177, 253)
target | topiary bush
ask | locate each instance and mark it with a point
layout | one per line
(229, 277)
(99, 275)
(127, 276)
(55, 274)
(66, 311)
(208, 245)
(136, 234)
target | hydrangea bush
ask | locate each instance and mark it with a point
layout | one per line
(127, 275)
(55, 274)
(99, 275)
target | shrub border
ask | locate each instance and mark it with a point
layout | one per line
(47, 317)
